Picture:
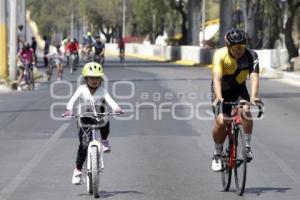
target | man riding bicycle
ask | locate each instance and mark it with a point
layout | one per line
(231, 67)
(72, 48)
(25, 59)
(88, 42)
(121, 46)
(99, 50)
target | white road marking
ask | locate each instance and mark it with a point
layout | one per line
(10, 188)
(279, 162)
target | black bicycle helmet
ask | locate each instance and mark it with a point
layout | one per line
(235, 36)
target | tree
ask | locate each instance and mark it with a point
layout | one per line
(226, 13)
(51, 16)
(251, 12)
(293, 6)
(288, 9)
(271, 21)
(180, 7)
(150, 17)
(193, 21)
(104, 15)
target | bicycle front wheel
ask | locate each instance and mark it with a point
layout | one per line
(240, 170)
(49, 72)
(95, 170)
(89, 183)
(71, 66)
(227, 171)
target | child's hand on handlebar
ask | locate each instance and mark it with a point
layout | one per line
(119, 111)
(68, 113)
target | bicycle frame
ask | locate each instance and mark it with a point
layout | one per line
(27, 76)
(234, 158)
(232, 125)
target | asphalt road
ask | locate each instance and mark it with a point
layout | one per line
(162, 146)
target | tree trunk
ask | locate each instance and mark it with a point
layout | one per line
(251, 18)
(226, 12)
(109, 32)
(184, 30)
(193, 22)
(289, 42)
(180, 8)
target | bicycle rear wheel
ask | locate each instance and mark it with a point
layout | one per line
(71, 65)
(95, 170)
(240, 170)
(30, 80)
(227, 171)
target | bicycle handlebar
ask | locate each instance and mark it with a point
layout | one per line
(92, 114)
(241, 103)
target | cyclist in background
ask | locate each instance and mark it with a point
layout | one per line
(57, 56)
(88, 44)
(99, 50)
(231, 67)
(121, 46)
(25, 59)
(72, 48)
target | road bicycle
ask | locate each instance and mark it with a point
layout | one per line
(122, 55)
(234, 157)
(90, 122)
(73, 63)
(99, 59)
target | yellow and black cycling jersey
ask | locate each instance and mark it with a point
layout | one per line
(234, 72)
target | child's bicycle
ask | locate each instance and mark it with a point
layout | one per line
(27, 76)
(90, 122)
(234, 157)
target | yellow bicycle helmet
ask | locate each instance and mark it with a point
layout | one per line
(92, 69)
(89, 33)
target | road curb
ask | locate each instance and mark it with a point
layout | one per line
(290, 76)
(12, 86)
(186, 63)
(293, 77)
(153, 58)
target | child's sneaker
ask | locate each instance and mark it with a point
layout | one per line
(77, 176)
(106, 146)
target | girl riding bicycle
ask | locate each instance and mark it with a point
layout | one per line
(57, 57)
(25, 59)
(93, 91)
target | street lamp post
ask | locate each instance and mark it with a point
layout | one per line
(203, 22)
(13, 40)
(124, 19)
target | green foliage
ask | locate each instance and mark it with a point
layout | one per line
(150, 15)
(53, 15)
(103, 12)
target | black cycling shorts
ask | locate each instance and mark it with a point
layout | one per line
(231, 95)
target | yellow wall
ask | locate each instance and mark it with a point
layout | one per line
(3, 51)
